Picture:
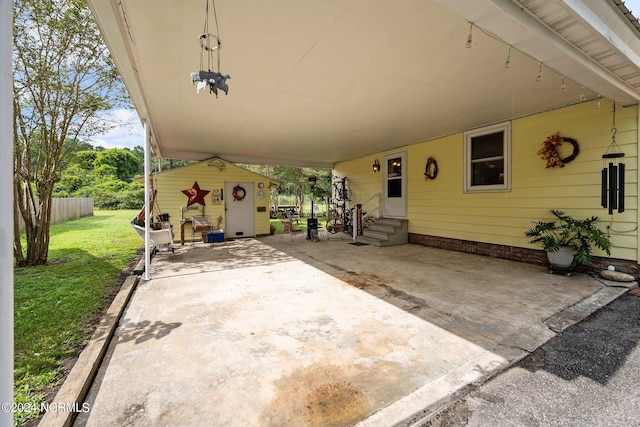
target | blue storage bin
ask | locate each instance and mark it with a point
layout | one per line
(215, 236)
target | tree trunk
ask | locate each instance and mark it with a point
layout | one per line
(36, 214)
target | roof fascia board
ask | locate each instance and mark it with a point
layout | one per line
(530, 35)
(199, 163)
(610, 32)
(248, 159)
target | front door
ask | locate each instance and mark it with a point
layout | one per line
(239, 216)
(395, 185)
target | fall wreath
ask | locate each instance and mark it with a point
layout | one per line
(549, 150)
(238, 193)
(431, 169)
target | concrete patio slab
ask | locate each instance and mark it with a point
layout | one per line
(270, 333)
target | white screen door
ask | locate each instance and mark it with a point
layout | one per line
(395, 185)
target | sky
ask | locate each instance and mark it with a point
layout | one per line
(129, 132)
(633, 6)
(126, 133)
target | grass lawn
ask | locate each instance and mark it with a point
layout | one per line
(56, 305)
(302, 224)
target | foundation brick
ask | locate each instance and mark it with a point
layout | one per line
(513, 253)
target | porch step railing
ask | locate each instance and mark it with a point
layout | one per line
(369, 213)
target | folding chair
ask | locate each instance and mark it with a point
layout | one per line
(200, 224)
(289, 230)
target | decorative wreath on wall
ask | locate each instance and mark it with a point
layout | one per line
(431, 168)
(549, 150)
(238, 193)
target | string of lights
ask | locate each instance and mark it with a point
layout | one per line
(539, 76)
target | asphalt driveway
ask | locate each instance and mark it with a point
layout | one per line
(265, 332)
(587, 376)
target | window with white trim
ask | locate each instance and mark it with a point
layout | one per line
(487, 159)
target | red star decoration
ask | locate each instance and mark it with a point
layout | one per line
(195, 194)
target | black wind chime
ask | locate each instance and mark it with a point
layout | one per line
(612, 195)
(210, 46)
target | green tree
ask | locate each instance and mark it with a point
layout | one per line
(116, 194)
(63, 78)
(73, 179)
(124, 161)
(295, 181)
(158, 164)
(103, 175)
(85, 159)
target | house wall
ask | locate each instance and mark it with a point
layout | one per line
(171, 183)
(441, 209)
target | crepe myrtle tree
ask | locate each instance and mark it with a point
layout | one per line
(63, 79)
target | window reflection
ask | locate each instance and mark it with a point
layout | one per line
(394, 177)
(394, 167)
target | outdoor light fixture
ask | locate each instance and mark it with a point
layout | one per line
(376, 166)
(539, 76)
(507, 62)
(218, 163)
(210, 43)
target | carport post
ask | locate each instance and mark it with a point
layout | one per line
(147, 192)
(6, 213)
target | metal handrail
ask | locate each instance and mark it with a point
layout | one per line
(366, 215)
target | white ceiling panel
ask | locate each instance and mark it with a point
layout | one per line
(317, 82)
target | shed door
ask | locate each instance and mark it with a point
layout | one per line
(395, 185)
(239, 214)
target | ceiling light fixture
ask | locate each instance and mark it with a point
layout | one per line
(210, 45)
(470, 36)
(582, 96)
(539, 76)
(563, 86)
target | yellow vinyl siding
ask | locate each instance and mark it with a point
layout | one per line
(171, 183)
(363, 181)
(440, 208)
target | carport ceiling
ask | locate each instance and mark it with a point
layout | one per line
(317, 82)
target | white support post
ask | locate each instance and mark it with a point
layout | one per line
(147, 194)
(6, 212)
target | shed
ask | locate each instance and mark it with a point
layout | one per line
(234, 198)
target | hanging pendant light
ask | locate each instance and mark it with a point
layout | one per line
(613, 170)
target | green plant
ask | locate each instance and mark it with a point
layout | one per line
(579, 235)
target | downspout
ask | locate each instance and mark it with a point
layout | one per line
(147, 193)
(6, 213)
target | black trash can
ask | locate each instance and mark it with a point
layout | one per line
(312, 228)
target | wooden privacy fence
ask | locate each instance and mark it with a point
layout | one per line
(68, 209)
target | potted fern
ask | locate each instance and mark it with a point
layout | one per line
(567, 241)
